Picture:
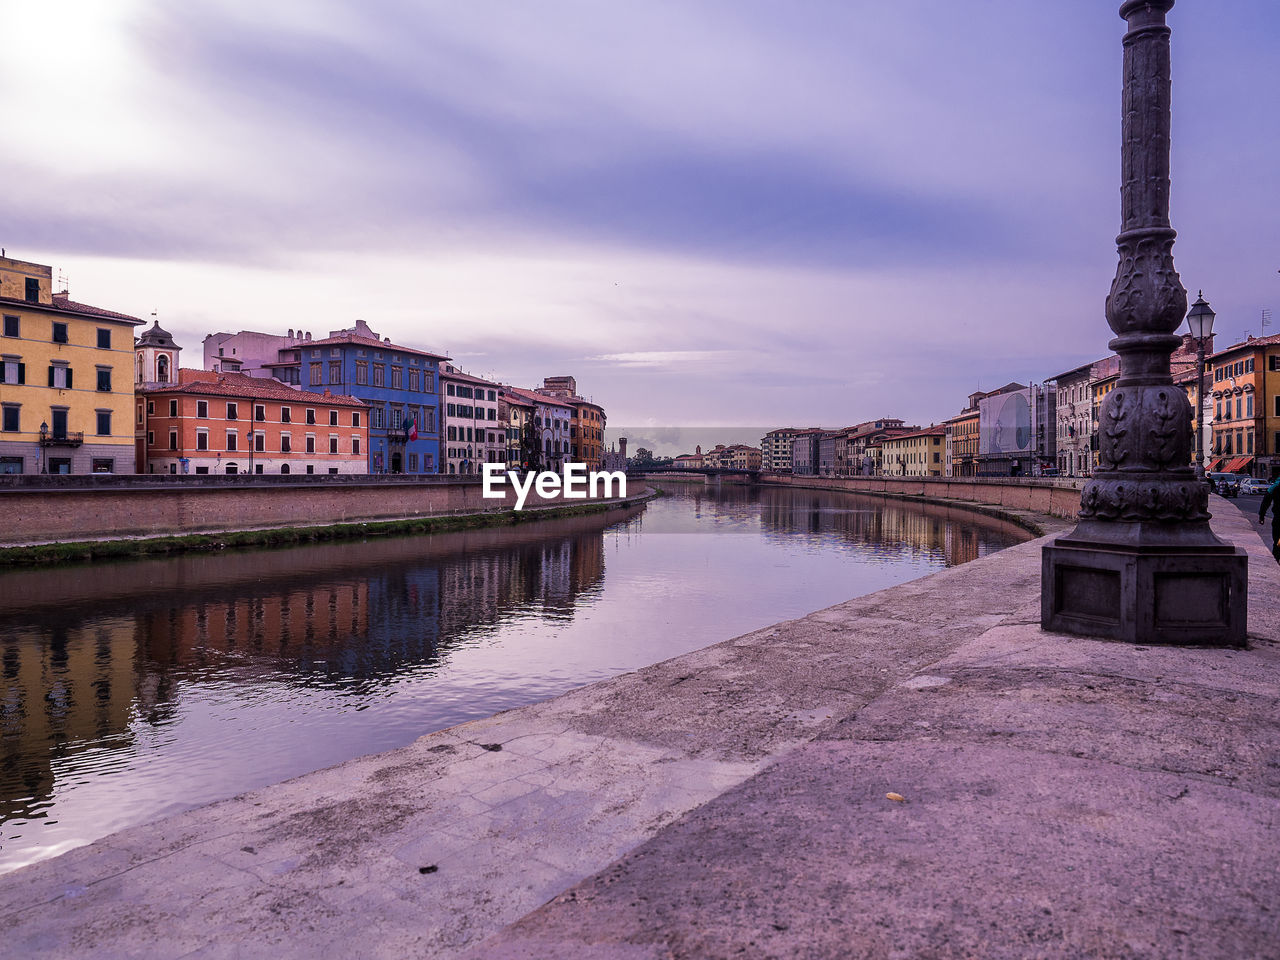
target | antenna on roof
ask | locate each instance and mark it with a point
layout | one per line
(63, 283)
(1266, 319)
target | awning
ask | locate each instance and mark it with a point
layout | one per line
(1212, 465)
(1238, 464)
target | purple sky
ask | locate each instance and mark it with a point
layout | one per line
(709, 213)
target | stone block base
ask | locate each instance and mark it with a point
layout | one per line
(1189, 597)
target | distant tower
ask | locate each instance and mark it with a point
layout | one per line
(156, 357)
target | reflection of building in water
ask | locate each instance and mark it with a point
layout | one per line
(124, 644)
(65, 690)
(889, 528)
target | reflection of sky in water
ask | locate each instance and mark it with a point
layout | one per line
(153, 686)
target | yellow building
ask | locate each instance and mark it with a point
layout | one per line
(917, 454)
(1243, 382)
(66, 379)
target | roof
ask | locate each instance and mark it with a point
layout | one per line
(363, 341)
(1083, 368)
(531, 396)
(210, 383)
(63, 304)
(461, 377)
(157, 336)
(1247, 345)
(928, 432)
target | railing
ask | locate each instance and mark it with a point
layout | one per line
(63, 439)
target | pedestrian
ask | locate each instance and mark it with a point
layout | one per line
(1272, 499)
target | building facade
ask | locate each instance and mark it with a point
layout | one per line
(400, 385)
(230, 423)
(1244, 385)
(805, 452)
(775, 450)
(66, 379)
(915, 454)
(1074, 421)
(961, 447)
(550, 435)
(474, 433)
(586, 425)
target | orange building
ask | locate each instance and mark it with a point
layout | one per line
(1244, 384)
(210, 422)
(586, 425)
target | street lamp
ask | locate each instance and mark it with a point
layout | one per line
(44, 432)
(1200, 323)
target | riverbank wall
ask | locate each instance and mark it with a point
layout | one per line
(1054, 497)
(921, 772)
(174, 507)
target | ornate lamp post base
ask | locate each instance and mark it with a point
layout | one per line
(1142, 565)
(1144, 593)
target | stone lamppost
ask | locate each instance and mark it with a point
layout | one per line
(1142, 564)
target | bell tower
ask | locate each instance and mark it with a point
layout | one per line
(156, 355)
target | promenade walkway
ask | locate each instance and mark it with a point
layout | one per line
(1059, 797)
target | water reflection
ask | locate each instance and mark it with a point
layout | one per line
(135, 689)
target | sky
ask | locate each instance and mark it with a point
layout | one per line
(739, 214)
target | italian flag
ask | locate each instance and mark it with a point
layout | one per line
(413, 428)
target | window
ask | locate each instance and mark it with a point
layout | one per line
(286, 443)
(333, 444)
(13, 328)
(428, 386)
(311, 468)
(104, 343)
(355, 418)
(1273, 361)
(10, 418)
(333, 470)
(12, 370)
(202, 409)
(396, 418)
(151, 407)
(286, 414)
(311, 415)
(450, 390)
(173, 408)
(311, 443)
(355, 446)
(233, 412)
(202, 439)
(284, 469)
(335, 371)
(202, 469)
(173, 439)
(33, 290)
(333, 418)
(1248, 365)
(1238, 413)
(362, 372)
(379, 418)
(151, 438)
(397, 378)
(233, 441)
(1248, 405)
(260, 441)
(413, 457)
(102, 465)
(379, 375)
(59, 331)
(104, 423)
(60, 376)
(453, 433)
(413, 380)
(317, 371)
(260, 413)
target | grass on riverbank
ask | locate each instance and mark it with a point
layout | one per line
(92, 550)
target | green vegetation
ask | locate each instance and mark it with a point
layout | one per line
(80, 551)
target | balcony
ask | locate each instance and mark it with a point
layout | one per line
(63, 439)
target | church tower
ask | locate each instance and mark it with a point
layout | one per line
(157, 357)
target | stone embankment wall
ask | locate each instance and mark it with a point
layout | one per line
(1057, 498)
(51, 512)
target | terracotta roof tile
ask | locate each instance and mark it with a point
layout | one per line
(364, 342)
(65, 305)
(243, 386)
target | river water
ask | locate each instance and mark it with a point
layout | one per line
(134, 690)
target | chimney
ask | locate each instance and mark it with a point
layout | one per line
(698, 449)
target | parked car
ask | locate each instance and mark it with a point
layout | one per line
(1252, 486)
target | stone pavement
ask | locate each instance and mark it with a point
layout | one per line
(1060, 797)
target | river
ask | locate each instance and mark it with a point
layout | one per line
(137, 689)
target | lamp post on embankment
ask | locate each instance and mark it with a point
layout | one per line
(1142, 564)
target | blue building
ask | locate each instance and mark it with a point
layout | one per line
(401, 384)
